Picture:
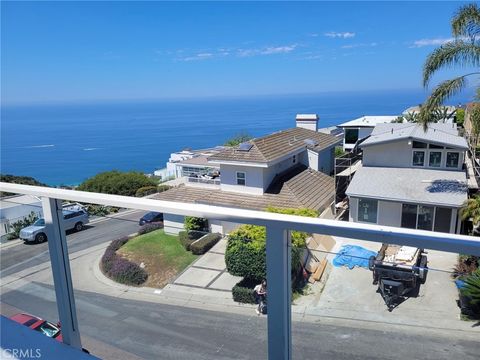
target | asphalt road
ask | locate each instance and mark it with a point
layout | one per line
(25, 255)
(155, 331)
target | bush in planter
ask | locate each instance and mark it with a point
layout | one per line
(195, 223)
(162, 188)
(205, 243)
(146, 190)
(186, 238)
(145, 229)
(243, 292)
(127, 272)
(471, 290)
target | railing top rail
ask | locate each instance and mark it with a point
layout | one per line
(370, 232)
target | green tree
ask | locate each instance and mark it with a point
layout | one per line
(24, 180)
(463, 51)
(195, 223)
(471, 210)
(460, 117)
(238, 139)
(117, 182)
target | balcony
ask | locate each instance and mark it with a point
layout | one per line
(158, 324)
(202, 182)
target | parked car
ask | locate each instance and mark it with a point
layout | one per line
(151, 217)
(74, 217)
(40, 325)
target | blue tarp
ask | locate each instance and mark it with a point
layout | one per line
(352, 255)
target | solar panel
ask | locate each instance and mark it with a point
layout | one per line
(246, 146)
(311, 142)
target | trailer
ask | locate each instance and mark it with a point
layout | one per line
(397, 270)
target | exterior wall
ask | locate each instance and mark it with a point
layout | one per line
(254, 179)
(400, 153)
(222, 227)
(173, 224)
(312, 161)
(15, 213)
(326, 160)
(270, 172)
(308, 124)
(389, 213)
(362, 132)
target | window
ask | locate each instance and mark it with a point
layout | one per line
(409, 216)
(241, 178)
(418, 158)
(435, 158)
(433, 146)
(419, 145)
(452, 159)
(367, 210)
(443, 217)
(351, 136)
(425, 217)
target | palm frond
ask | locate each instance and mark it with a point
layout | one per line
(442, 92)
(454, 53)
(466, 22)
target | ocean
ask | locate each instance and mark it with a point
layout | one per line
(67, 143)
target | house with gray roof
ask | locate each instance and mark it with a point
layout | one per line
(289, 168)
(411, 177)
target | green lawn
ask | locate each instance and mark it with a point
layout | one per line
(162, 254)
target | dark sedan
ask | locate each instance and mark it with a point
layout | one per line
(151, 217)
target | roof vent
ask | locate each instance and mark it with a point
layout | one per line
(310, 142)
(246, 146)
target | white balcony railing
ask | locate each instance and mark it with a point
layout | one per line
(202, 182)
(278, 249)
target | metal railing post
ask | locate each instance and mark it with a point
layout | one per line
(279, 279)
(62, 279)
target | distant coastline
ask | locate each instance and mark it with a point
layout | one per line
(66, 143)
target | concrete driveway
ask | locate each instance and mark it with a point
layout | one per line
(351, 294)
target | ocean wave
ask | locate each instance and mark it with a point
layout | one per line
(38, 146)
(90, 149)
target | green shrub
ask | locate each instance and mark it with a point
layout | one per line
(20, 224)
(246, 248)
(100, 210)
(186, 238)
(243, 292)
(195, 223)
(162, 188)
(460, 117)
(116, 182)
(145, 229)
(472, 287)
(202, 245)
(146, 190)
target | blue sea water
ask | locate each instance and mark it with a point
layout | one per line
(65, 144)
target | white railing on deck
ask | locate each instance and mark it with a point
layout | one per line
(194, 180)
(278, 245)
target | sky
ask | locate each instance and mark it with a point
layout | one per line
(94, 51)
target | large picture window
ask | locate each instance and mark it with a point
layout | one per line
(452, 159)
(443, 217)
(351, 136)
(435, 159)
(418, 158)
(425, 217)
(241, 178)
(367, 210)
(409, 216)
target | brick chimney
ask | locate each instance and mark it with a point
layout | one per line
(307, 121)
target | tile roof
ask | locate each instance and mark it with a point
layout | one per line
(300, 187)
(425, 186)
(439, 133)
(276, 145)
(369, 121)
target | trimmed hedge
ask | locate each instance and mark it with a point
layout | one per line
(205, 243)
(146, 190)
(186, 238)
(144, 229)
(120, 269)
(243, 292)
(162, 188)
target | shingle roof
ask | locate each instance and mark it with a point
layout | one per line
(273, 146)
(425, 186)
(368, 121)
(439, 133)
(299, 188)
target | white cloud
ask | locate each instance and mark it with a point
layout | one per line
(197, 57)
(269, 50)
(343, 35)
(430, 42)
(352, 46)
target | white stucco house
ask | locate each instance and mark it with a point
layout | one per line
(289, 168)
(411, 178)
(17, 207)
(360, 128)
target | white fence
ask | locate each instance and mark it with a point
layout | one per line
(278, 249)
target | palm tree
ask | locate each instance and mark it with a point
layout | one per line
(471, 210)
(463, 51)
